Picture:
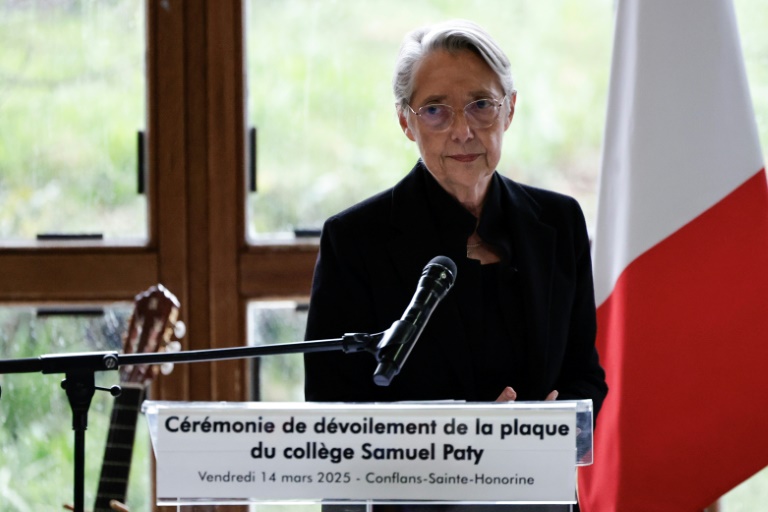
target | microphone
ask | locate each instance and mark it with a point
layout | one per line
(398, 341)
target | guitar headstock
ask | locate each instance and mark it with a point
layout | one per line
(154, 327)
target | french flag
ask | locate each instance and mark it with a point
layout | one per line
(680, 264)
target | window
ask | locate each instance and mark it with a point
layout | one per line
(72, 106)
(280, 377)
(37, 436)
(320, 99)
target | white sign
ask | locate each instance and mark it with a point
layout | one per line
(257, 451)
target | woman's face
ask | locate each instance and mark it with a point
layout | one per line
(460, 157)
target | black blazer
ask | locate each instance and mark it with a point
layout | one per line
(372, 255)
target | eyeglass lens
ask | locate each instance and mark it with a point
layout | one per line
(479, 114)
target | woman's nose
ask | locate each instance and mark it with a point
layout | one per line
(460, 129)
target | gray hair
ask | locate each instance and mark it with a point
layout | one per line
(453, 36)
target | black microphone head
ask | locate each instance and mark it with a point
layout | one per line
(448, 264)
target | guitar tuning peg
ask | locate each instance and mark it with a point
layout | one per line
(166, 368)
(179, 329)
(171, 346)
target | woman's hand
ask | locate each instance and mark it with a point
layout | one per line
(509, 395)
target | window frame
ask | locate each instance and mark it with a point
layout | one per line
(197, 246)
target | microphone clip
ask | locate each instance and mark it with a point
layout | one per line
(362, 342)
(384, 346)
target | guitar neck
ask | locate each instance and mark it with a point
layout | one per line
(113, 483)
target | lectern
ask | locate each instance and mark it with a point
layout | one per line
(395, 453)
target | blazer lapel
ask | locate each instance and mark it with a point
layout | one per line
(535, 248)
(414, 241)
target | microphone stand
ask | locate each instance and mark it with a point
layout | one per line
(79, 382)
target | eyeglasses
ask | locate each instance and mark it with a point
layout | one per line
(479, 114)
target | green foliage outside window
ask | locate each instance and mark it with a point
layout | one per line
(72, 99)
(36, 438)
(322, 101)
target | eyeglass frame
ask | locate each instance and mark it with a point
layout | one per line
(497, 105)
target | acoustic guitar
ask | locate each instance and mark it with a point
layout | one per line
(154, 326)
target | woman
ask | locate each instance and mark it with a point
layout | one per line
(520, 319)
(519, 322)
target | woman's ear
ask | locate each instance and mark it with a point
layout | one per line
(404, 124)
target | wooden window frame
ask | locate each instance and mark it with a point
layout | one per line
(196, 128)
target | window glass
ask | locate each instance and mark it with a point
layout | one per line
(320, 101)
(36, 437)
(72, 101)
(281, 377)
(320, 98)
(752, 17)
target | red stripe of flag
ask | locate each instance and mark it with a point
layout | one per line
(684, 339)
